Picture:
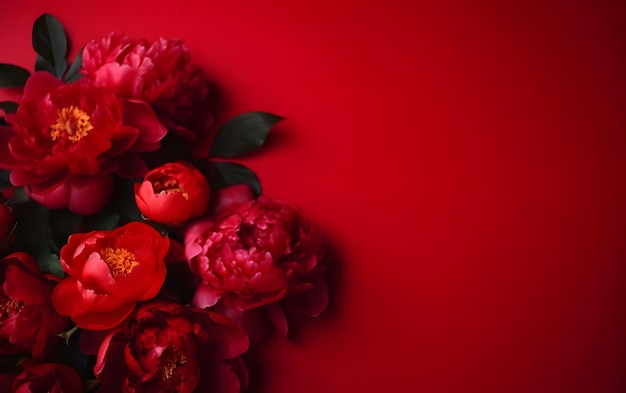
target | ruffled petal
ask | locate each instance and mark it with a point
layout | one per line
(205, 296)
(140, 115)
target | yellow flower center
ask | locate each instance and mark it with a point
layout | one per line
(11, 307)
(168, 184)
(172, 360)
(120, 261)
(72, 123)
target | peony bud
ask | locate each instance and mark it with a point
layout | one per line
(173, 193)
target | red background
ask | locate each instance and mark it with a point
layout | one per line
(466, 159)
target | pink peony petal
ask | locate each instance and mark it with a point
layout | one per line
(140, 115)
(88, 195)
(125, 81)
(56, 198)
(96, 274)
(205, 296)
(196, 229)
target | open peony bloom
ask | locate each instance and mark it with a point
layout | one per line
(263, 253)
(28, 322)
(169, 348)
(172, 193)
(67, 139)
(159, 73)
(109, 271)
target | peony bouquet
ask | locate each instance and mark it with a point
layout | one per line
(134, 256)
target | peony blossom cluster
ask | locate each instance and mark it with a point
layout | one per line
(122, 247)
(67, 140)
(263, 254)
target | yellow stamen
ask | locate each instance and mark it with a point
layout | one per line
(121, 262)
(11, 307)
(168, 184)
(174, 360)
(72, 123)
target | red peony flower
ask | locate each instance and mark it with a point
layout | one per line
(159, 73)
(165, 347)
(48, 377)
(66, 140)
(28, 322)
(7, 223)
(261, 253)
(173, 193)
(109, 271)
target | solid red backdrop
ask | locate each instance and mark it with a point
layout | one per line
(466, 159)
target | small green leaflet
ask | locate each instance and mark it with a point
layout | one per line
(232, 173)
(242, 134)
(73, 74)
(13, 76)
(50, 43)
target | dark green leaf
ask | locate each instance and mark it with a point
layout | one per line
(30, 233)
(42, 64)
(73, 74)
(123, 200)
(4, 183)
(50, 42)
(9, 106)
(70, 353)
(243, 134)
(61, 224)
(54, 266)
(13, 76)
(232, 173)
(8, 238)
(4, 178)
(106, 219)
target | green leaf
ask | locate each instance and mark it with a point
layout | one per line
(232, 173)
(4, 178)
(9, 106)
(4, 174)
(243, 134)
(123, 200)
(54, 266)
(60, 225)
(50, 42)
(105, 219)
(30, 233)
(70, 353)
(73, 74)
(13, 76)
(42, 64)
